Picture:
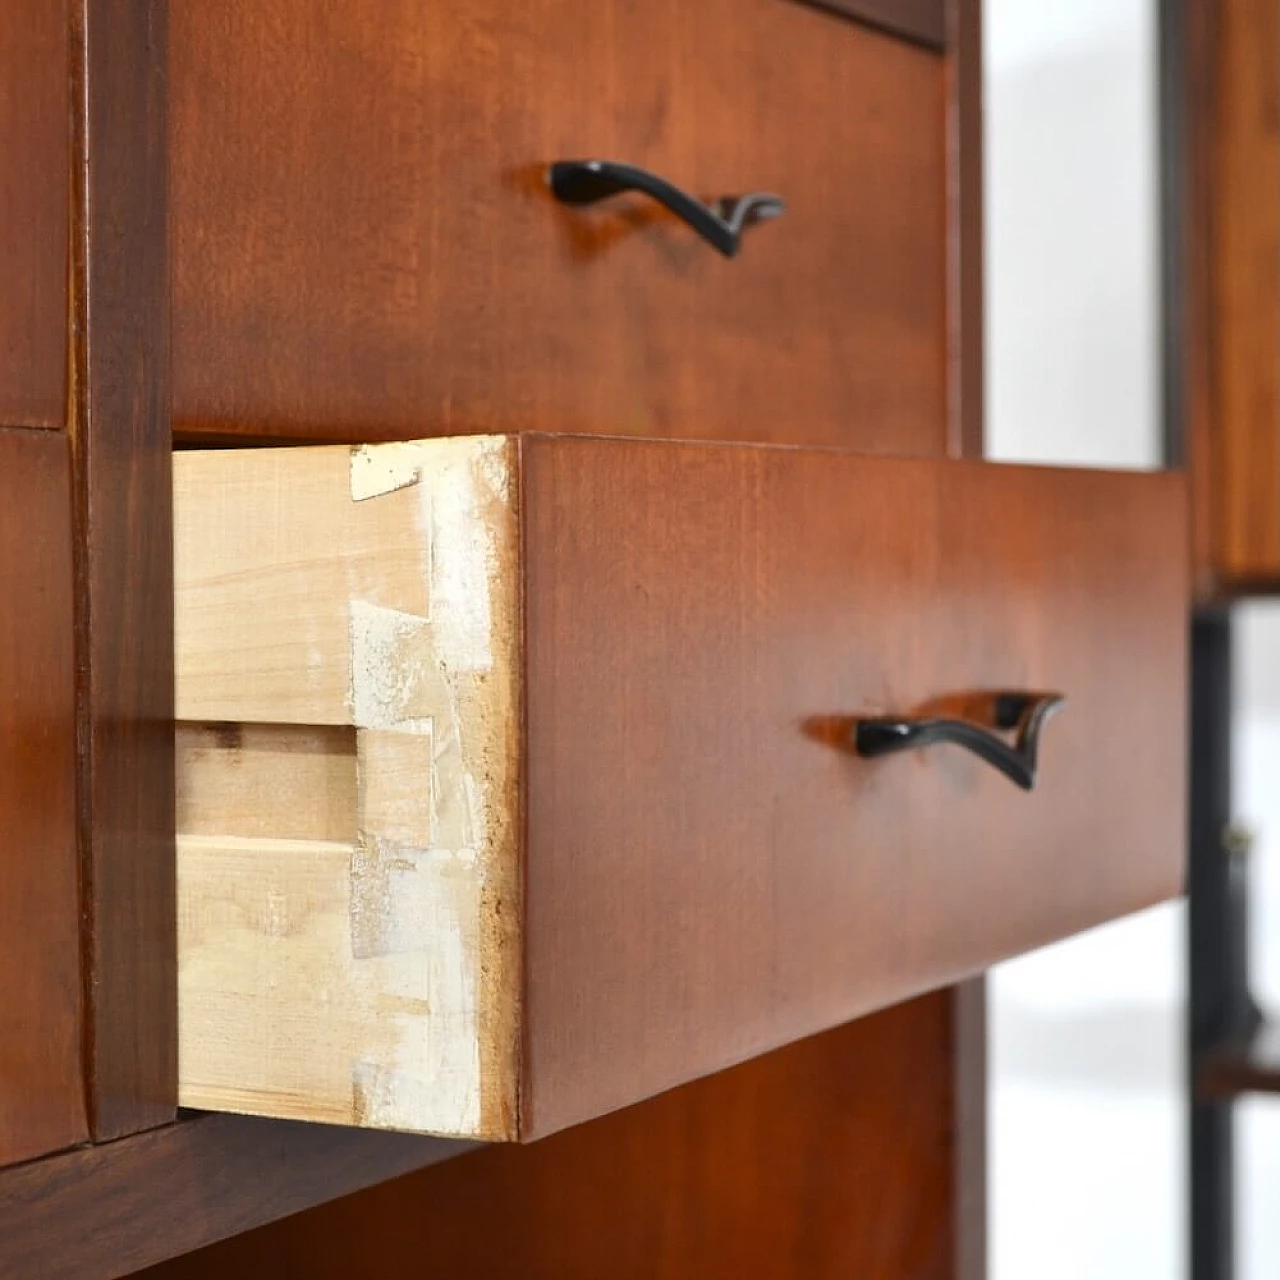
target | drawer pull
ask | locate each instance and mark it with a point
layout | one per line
(1024, 713)
(583, 182)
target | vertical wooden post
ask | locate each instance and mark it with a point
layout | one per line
(42, 1106)
(118, 418)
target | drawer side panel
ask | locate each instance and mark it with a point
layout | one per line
(348, 784)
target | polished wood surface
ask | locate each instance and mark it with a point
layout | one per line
(708, 874)
(182, 1185)
(385, 260)
(831, 1158)
(34, 174)
(41, 1090)
(120, 437)
(1246, 314)
(1230, 145)
(112, 1209)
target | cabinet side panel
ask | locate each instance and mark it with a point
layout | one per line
(827, 1159)
(119, 424)
(42, 1102)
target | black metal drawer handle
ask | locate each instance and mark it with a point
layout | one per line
(1025, 713)
(582, 182)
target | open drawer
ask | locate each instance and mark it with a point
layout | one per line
(518, 777)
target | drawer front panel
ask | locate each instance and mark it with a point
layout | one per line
(516, 780)
(364, 244)
(708, 876)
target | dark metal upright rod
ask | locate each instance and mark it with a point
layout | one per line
(1221, 1008)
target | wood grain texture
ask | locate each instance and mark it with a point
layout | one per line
(112, 1209)
(34, 168)
(1244, 231)
(280, 781)
(385, 259)
(706, 874)
(830, 1158)
(699, 619)
(122, 492)
(42, 1105)
(349, 825)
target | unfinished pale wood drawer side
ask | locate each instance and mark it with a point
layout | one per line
(348, 858)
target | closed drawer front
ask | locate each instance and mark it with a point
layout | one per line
(387, 252)
(514, 775)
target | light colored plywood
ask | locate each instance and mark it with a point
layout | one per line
(347, 635)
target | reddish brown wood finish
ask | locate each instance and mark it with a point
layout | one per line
(124, 624)
(1230, 301)
(708, 876)
(42, 1103)
(112, 1209)
(1245, 330)
(828, 1159)
(384, 259)
(138, 1199)
(34, 169)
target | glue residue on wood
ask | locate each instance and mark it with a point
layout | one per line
(392, 999)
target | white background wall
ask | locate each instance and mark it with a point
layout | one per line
(1086, 1113)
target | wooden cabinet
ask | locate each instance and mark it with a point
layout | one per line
(337, 209)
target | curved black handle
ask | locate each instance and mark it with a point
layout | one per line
(1024, 712)
(587, 181)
